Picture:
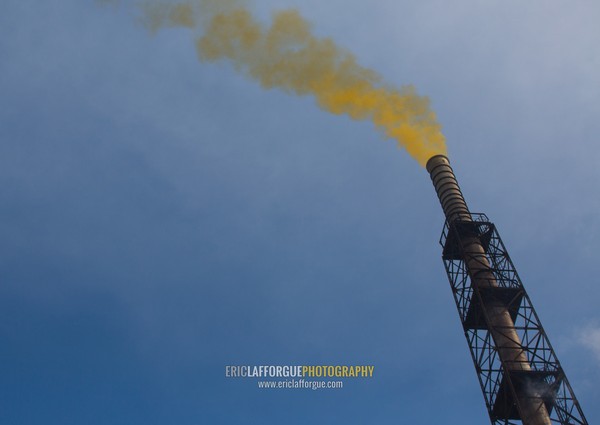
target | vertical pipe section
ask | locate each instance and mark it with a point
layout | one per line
(531, 407)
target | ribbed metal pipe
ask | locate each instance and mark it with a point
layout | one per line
(448, 191)
(508, 343)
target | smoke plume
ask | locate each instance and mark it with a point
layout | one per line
(287, 56)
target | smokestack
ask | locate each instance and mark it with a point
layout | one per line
(447, 189)
(496, 315)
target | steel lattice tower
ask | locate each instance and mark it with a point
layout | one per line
(521, 378)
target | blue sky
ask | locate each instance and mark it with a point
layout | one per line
(162, 218)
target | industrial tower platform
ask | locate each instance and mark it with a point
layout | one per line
(521, 378)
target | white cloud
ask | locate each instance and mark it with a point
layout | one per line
(590, 338)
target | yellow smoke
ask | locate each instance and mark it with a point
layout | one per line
(286, 55)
